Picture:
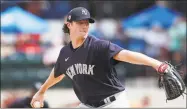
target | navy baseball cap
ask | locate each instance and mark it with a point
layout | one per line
(79, 13)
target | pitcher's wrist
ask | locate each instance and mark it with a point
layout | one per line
(42, 90)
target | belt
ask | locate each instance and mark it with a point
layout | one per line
(104, 101)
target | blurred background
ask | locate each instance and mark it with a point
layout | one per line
(31, 39)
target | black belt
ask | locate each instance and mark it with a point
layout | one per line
(103, 102)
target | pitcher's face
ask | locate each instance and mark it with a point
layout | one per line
(79, 28)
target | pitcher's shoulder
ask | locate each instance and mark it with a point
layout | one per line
(98, 42)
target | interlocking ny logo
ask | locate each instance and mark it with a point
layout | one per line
(84, 12)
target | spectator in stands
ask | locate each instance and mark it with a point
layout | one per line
(120, 38)
(177, 34)
(28, 45)
(154, 45)
(97, 31)
(51, 54)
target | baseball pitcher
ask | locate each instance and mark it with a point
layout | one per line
(89, 63)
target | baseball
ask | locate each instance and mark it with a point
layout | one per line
(36, 104)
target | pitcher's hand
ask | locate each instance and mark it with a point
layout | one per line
(37, 97)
